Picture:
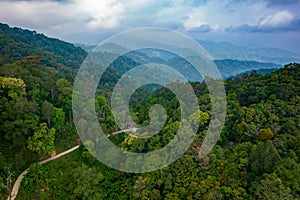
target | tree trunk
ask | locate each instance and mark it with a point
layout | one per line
(48, 119)
(70, 116)
(52, 93)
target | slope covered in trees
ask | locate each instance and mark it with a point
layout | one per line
(256, 157)
(16, 43)
(36, 75)
(228, 67)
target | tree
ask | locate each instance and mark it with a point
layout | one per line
(47, 111)
(263, 158)
(139, 185)
(289, 172)
(101, 100)
(50, 84)
(8, 183)
(64, 89)
(59, 118)
(271, 188)
(266, 134)
(87, 183)
(155, 194)
(64, 98)
(18, 115)
(42, 140)
(13, 86)
(201, 117)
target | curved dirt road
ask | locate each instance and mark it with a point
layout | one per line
(16, 186)
(125, 130)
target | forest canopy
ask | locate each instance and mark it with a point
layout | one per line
(256, 157)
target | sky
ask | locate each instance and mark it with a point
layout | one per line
(251, 23)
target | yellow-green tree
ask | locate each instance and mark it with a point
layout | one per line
(201, 117)
(266, 134)
(42, 140)
(13, 86)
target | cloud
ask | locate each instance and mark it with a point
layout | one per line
(93, 15)
(204, 28)
(278, 20)
(281, 2)
(95, 20)
(194, 19)
(281, 21)
(66, 15)
(105, 15)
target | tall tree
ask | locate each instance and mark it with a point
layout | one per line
(59, 118)
(47, 112)
(263, 158)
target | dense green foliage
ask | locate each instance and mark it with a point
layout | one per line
(35, 99)
(16, 43)
(256, 157)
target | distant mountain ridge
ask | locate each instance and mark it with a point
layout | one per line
(226, 50)
(227, 67)
(17, 43)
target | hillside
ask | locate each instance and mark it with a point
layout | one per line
(256, 157)
(36, 75)
(16, 43)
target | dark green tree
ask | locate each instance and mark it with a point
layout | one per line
(263, 158)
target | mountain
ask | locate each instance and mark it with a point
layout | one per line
(87, 48)
(256, 156)
(230, 68)
(225, 50)
(17, 43)
(252, 72)
(227, 67)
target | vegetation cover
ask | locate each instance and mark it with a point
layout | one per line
(256, 157)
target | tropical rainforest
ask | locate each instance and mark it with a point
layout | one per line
(256, 156)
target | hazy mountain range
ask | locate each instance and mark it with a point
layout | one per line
(231, 59)
(226, 50)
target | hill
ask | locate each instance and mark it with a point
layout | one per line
(227, 67)
(230, 68)
(16, 43)
(256, 157)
